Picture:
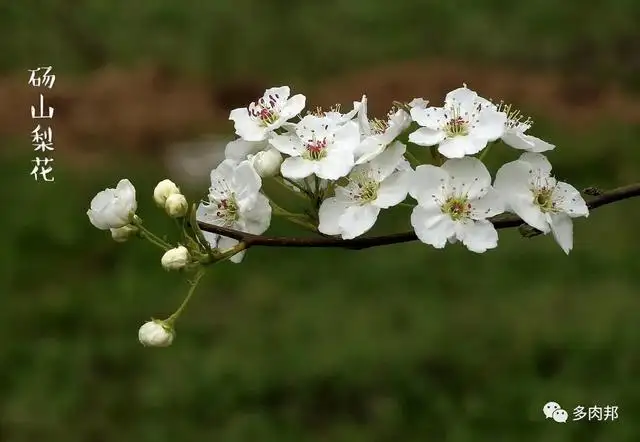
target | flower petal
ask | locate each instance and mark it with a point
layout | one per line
(491, 204)
(491, 124)
(357, 220)
(537, 162)
(432, 226)
(468, 176)
(240, 149)
(330, 212)
(477, 236)
(335, 165)
(568, 199)
(458, 147)
(246, 182)
(427, 184)
(426, 136)
(393, 190)
(562, 229)
(297, 168)
(294, 106)
(288, 144)
(431, 117)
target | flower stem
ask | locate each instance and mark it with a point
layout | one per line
(193, 283)
(300, 194)
(146, 233)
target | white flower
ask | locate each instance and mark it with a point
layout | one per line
(235, 202)
(419, 102)
(540, 200)
(462, 127)
(373, 186)
(122, 234)
(319, 146)
(156, 333)
(267, 163)
(454, 202)
(381, 134)
(240, 150)
(256, 122)
(113, 208)
(176, 258)
(176, 205)
(338, 118)
(162, 191)
(515, 128)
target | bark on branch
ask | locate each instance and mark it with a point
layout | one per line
(500, 222)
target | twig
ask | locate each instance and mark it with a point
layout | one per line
(500, 222)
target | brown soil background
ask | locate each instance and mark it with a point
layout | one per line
(148, 108)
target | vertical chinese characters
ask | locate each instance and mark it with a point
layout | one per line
(42, 134)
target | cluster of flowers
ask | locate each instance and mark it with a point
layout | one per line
(352, 167)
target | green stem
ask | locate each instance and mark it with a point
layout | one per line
(297, 186)
(146, 233)
(407, 205)
(194, 283)
(300, 194)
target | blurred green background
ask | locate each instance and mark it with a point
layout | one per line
(401, 343)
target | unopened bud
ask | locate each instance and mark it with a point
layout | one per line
(267, 163)
(163, 190)
(175, 259)
(176, 205)
(156, 333)
(121, 234)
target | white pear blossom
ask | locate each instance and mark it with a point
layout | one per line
(122, 234)
(175, 259)
(267, 163)
(319, 146)
(162, 191)
(235, 202)
(515, 127)
(462, 127)
(371, 187)
(240, 150)
(176, 205)
(419, 102)
(273, 109)
(539, 199)
(380, 134)
(156, 333)
(359, 110)
(113, 208)
(454, 202)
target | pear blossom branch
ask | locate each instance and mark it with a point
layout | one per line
(500, 222)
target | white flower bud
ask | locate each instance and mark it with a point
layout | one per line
(175, 259)
(176, 205)
(121, 234)
(267, 162)
(163, 190)
(156, 334)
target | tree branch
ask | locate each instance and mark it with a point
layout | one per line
(500, 222)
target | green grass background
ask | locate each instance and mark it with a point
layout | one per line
(402, 343)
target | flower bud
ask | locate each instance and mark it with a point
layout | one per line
(156, 333)
(267, 162)
(176, 205)
(175, 259)
(163, 190)
(121, 234)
